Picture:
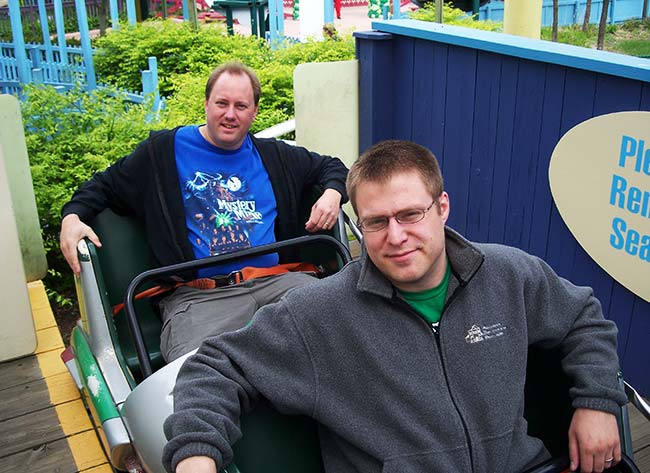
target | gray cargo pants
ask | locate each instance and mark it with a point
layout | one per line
(191, 315)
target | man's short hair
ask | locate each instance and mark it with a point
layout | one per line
(235, 68)
(387, 158)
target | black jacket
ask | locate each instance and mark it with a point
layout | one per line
(145, 184)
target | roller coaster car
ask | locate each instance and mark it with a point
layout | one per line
(117, 365)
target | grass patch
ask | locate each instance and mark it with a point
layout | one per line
(631, 38)
(634, 47)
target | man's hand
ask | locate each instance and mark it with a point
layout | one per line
(72, 231)
(324, 212)
(197, 465)
(594, 443)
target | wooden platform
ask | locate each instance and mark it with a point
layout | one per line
(640, 439)
(43, 423)
(45, 427)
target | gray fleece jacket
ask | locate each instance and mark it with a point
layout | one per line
(392, 394)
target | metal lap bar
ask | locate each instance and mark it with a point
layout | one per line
(158, 273)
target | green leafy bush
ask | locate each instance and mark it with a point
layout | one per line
(186, 57)
(454, 16)
(69, 137)
(572, 34)
(179, 49)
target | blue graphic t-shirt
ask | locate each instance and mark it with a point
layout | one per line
(228, 198)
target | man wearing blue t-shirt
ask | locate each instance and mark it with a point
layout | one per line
(207, 190)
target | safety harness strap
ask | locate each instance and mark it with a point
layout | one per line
(236, 277)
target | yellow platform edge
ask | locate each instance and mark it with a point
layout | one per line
(64, 396)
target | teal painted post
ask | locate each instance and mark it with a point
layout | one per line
(86, 49)
(60, 32)
(24, 69)
(130, 12)
(115, 14)
(488, 11)
(34, 57)
(147, 83)
(276, 21)
(150, 87)
(612, 9)
(45, 30)
(186, 11)
(279, 8)
(147, 88)
(153, 67)
(328, 11)
(396, 6)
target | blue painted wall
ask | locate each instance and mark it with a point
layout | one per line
(492, 107)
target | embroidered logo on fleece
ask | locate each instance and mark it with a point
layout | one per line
(479, 334)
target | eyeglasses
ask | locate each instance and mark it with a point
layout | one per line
(408, 216)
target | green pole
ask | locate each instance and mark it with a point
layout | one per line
(438, 11)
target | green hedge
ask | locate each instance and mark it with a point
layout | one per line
(454, 16)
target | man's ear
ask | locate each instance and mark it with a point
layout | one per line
(444, 206)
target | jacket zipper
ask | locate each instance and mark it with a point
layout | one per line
(436, 335)
(163, 201)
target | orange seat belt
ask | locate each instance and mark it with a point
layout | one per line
(244, 274)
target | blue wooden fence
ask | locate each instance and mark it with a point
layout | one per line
(492, 107)
(59, 64)
(65, 66)
(571, 12)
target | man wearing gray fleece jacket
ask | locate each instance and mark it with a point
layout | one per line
(412, 359)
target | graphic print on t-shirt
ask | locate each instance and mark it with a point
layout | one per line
(228, 200)
(223, 211)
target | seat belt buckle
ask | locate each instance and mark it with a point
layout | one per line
(235, 277)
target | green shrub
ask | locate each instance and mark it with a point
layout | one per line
(69, 137)
(179, 49)
(274, 69)
(183, 52)
(453, 16)
(572, 34)
(315, 51)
